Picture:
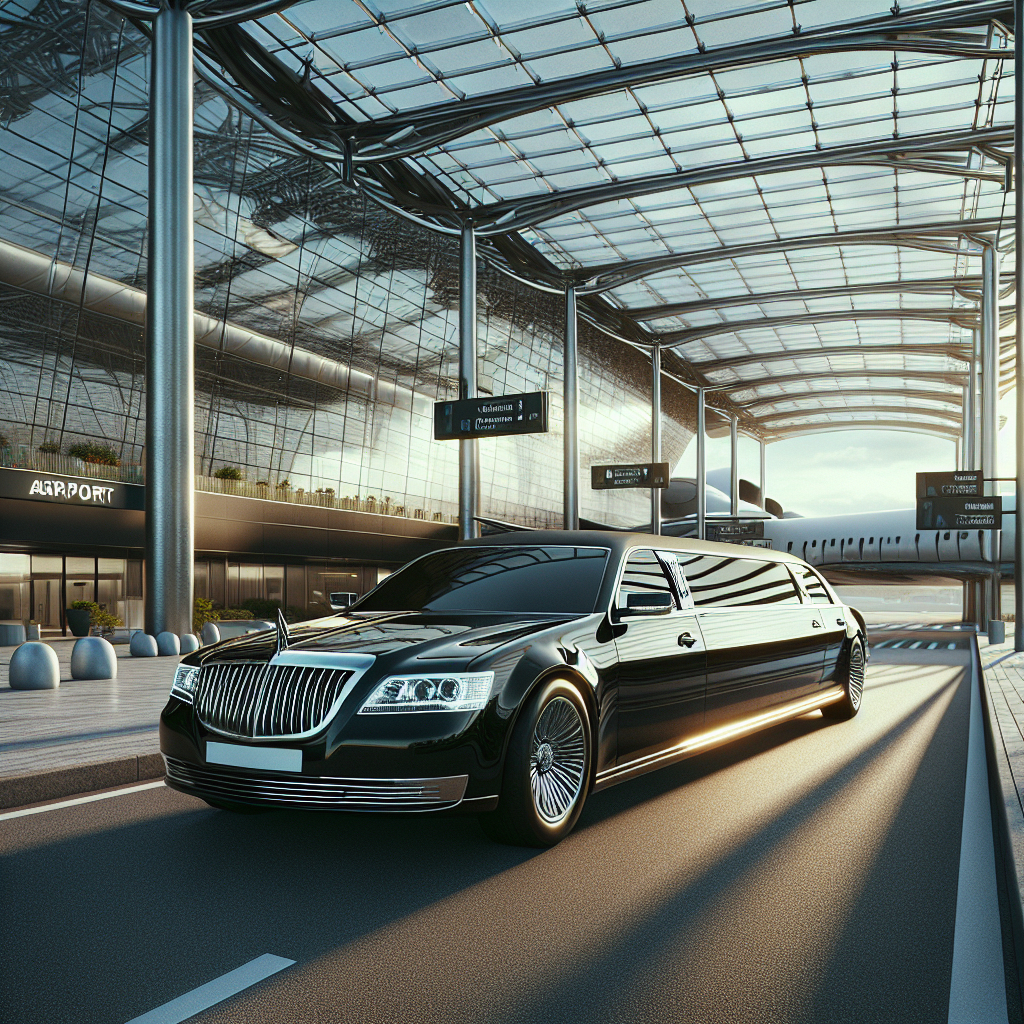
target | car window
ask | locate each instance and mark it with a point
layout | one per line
(643, 574)
(724, 580)
(812, 584)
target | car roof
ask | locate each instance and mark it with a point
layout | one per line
(620, 541)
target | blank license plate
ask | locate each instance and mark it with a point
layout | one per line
(268, 759)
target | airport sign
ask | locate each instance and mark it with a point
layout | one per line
(960, 513)
(467, 418)
(639, 474)
(962, 482)
(70, 490)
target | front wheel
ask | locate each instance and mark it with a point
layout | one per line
(852, 677)
(547, 769)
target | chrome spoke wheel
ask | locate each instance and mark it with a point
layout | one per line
(855, 676)
(557, 760)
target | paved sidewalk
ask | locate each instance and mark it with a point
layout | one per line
(86, 735)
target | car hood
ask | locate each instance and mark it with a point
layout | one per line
(426, 636)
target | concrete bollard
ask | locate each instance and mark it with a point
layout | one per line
(92, 657)
(996, 631)
(211, 633)
(189, 643)
(34, 666)
(142, 645)
(167, 644)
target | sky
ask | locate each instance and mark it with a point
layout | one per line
(850, 470)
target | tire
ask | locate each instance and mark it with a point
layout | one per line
(547, 769)
(852, 677)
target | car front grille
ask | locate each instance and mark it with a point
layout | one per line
(317, 793)
(255, 700)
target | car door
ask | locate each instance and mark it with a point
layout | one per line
(764, 646)
(661, 662)
(833, 619)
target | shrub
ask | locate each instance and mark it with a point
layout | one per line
(49, 448)
(229, 614)
(202, 612)
(262, 608)
(228, 473)
(284, 485)
(99, 454)
(98, 617)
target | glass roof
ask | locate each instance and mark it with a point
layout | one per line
(801, 169)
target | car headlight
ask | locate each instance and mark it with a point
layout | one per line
(185, 679)
(430, 693)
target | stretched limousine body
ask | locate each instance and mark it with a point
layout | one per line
(511, 677)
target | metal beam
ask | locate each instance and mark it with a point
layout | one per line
(918, 286)
(781, 355)
(951, 398)
(1018, 276)
(930, 236)
(910, 426)
(570, 415)
(530, 211)
(469, 451)
(702, 467)
(763, 480)
(673, 339)
(951, 416)
(952, 378)
(734, 466)
(922, 32)
(656, 434)
(170, 432)
(989, 409)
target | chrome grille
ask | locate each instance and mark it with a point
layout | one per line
(255, 700)
(317, 793)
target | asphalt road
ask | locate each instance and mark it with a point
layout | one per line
(805, 874)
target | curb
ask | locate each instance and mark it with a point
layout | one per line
(1008, 814)
(38, 787)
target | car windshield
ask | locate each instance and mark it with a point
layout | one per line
(499, 579)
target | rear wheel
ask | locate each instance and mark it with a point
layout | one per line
(547, 769)
(851, 676)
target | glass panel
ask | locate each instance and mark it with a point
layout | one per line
(718, 580)
(643, 574)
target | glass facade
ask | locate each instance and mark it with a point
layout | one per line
(327, 326)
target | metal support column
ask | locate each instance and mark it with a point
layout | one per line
(967, 430)
(734, 465)
(170, 503)
(1018, 298)
(763, 479)
(570, 406)
(469, 451)
(974, 383)
(989, 399)
(702, 468)
(656, 434)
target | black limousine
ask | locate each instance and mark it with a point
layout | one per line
(511, 676)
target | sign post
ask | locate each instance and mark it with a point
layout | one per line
(491, 417)
(639, 474)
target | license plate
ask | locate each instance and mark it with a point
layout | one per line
(267, 759)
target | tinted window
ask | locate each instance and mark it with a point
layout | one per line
(812, 584)
(503, 579)
(643, 574)
(718, 580)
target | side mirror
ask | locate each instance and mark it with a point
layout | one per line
(649, 604)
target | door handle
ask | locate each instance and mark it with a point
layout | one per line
(840, 622)
(686, 640)
(816, 624)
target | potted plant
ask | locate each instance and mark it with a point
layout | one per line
(79, 617)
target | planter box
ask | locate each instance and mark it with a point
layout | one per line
(78, 621)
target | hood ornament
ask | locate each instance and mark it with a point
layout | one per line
(282, 632)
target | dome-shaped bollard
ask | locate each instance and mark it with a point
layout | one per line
(211, 633)
(142, 645)
(34, 666)
(167, 644)
(92, 657)
(189, 643)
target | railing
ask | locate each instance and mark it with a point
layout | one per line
(21, 456)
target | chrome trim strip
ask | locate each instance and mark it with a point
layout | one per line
(716, 737)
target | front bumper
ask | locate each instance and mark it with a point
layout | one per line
(271, 789)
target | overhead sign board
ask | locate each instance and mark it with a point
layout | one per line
(735, 533)
(491, 417)
(69, 490)
(963, 482)
(959, 513)
(640, 474)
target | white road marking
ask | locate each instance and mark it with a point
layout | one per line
(215, 991)
(80, 800)
(977, 987)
